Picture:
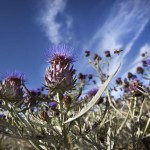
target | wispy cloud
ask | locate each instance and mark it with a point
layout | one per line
(129, 46)
(123, 27)
(54, 29)
(124, 21)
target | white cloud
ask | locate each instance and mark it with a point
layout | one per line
(123, 27)
(139, 31)
(126, 22)
(129, 47)
(48, 20)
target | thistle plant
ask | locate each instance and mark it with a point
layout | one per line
(62, 115)
(60, 75)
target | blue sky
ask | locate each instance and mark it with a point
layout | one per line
(29, 28)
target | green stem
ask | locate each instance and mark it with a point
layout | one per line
(134, 107)
(62, 119)
(35, 145)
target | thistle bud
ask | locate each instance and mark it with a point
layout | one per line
(43, 116)
(35, 92)
(130, 75)
(60, 75)
(52, 105)
(81, 76)
(90, 76)
(67, 100)
(118, 51)
(107, 54)
(87, 53)
(97, 57)
(119, 81)
(42, 89)
(101, 100)
(92, 92)
(140, 70)
(94, 82)
(143, 54)
(146, 62)
(126, 83)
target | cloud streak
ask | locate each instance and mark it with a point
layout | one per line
(54, 29)
(126, 22)
(122, 28)
(126, 17)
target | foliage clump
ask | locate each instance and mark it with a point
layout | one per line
(63, 115)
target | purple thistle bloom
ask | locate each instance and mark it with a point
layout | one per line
(53, 104)
(107, 53)
(14, 78)
(97, 57)
(87, 53)
(92, 92)
(126, 90)
(35, 92)
(130, 75)
(11, 85)
(119, 81)
(140, 70)
(60, 53)
(146, 62)
(60, 75)
(134, 84)
(134, 78)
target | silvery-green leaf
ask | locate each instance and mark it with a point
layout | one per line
(94, 99)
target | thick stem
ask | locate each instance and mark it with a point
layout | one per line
(62, 119)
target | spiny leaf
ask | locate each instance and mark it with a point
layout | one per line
(94, 99)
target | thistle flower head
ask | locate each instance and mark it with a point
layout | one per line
(11, 85)
(119, 81)
(53, 104)
(35, 92)
(107, 53)
(92, 92)
(60, 75)
(67, 100)
(81, 76)
(90, 76)
(97, 57)
(60, 54)
(126, 83)
(140, 70)
(144, 54)
(130, 75)
(146, 62)
(14, 78)
(134, 85)
(118, 51)
(134, 78)
(87, 53)
(43, 116)
(2, 116)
